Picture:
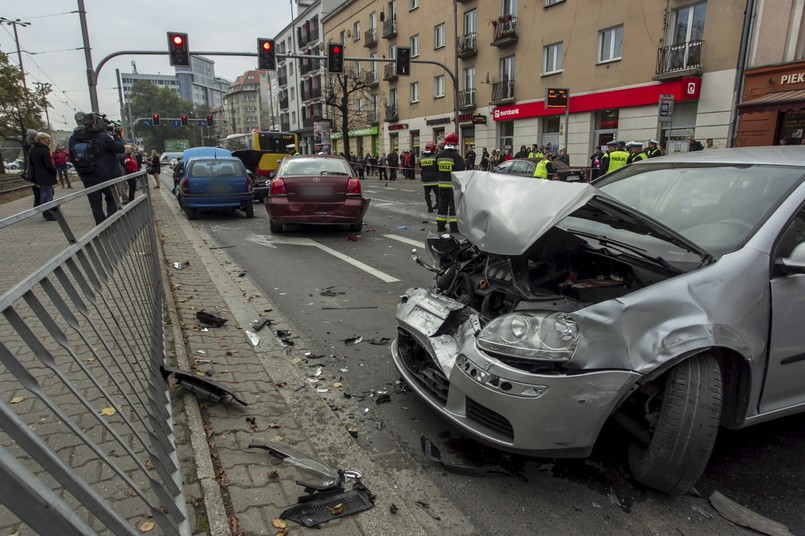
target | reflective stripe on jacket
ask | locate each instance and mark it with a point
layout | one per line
(430, 173)
(541, 172)
(447, 162)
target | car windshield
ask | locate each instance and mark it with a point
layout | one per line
(315, 166)
(216, 168)
(717, 207)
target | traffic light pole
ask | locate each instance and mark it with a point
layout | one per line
(93, 75)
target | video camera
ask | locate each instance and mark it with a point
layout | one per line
(93, 121)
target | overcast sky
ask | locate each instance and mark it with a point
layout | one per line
(52, 44)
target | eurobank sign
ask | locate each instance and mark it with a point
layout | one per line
(367, 131)
(686, 89)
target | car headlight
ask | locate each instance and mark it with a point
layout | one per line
(538, 336)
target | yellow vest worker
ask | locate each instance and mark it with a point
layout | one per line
(617, 160)
(542, 170)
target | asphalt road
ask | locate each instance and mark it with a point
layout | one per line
(332, 289)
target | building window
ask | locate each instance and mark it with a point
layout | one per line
(552, 59)
(414, 46)
(356, 31)
(413, 4)
(469, 78)
(372, 20)
(438, 86)
(610, 43)
(549, 3)
(508, 7)
(250, 77)
(470, 22)
(358, 106)
(415, 92)
(689, 24)
(438, 36)
(506, 137)
(293, 94)
(507, 68)
(393, 96)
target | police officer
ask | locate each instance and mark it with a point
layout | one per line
(618, 158)
(636, 153)
(535, 152)
(448, 161)
(545, 169)
(611, 145)
(653, 151)
(430, 174)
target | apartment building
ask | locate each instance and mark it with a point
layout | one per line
(772, 106)
(244, 108)
(196, 83)
(615, 57)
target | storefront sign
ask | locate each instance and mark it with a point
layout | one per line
(793, 78)
(398, 126)
(465, 118)
(438, 121)
(366, 131)
(479, 119)
(686, 89)
(556, 97)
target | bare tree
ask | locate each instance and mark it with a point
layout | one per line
(341, 96)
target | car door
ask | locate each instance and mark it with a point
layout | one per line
(523, 168)
(783, 385)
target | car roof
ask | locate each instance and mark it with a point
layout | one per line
(213, 158)
(791, 155)
(205, 151)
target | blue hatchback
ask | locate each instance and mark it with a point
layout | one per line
(215, 182)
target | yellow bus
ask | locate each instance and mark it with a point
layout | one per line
(262, 150)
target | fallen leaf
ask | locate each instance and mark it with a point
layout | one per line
(273, 474)
(108, 411)
(338, 385)
(17, 399)
(149, 465)
(279, 438)
(89, 360)
(273, 425)
(338, 509)
(279, 523)
(148, 526)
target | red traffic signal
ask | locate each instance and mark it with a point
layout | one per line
(266, 54)
(155, 120)
(178, 49)
(184, 120)
(335, 58)
(210, 120)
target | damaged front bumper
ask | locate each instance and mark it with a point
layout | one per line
(547, 414)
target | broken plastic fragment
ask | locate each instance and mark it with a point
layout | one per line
(254, 338)
(402, 227)
(211, 319)
(382, 398)
(379, 341)
(181, 265)
(353, 341)
(351, 238)
(432, 453)
(260, 324)
(322, 390)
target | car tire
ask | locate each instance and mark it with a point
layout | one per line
(356, 227)
(686, 428)
(191, 213)
(274, 227)
(250, 210)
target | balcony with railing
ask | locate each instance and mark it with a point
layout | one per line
(370, 78)
(308, 37)
(282, 79)
(467, 45)
(503, 92)
(389, 72)
(466, 99)
(390, 28)
(683, 59)
(392, 113)
(309, 66)
(285, 127)
(283, 102)
(505, 31)
(306, 94)
(370, 37)
(370, 116)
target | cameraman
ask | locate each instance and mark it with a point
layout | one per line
(101, 164)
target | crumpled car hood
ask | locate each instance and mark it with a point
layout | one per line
(505, 215)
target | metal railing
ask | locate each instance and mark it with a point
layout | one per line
(390, 28)
(505, 30)
(86, 436)
(391, 113)
(503, 92)
(467, 45)
(370, 78)
(389, 72)
(466, 99)
(370, 37)
(680, 57)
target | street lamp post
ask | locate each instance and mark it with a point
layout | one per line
(15, 23)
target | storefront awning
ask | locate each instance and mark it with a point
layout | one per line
(780, 101)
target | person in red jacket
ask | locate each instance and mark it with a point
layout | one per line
(130, 166)
(60, 161)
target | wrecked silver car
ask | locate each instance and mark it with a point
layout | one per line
(667, 296)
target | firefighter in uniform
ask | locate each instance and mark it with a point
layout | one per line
(636, 153)
(618, 157)
(545, 169)
(653, 151)
(430, 174)
(448, 161)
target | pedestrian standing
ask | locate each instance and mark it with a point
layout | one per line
(563, 156)
(60, 161)
(495, 159)
(448, 161)
(430, 175)
(130, 166)
(611, 146)
(381, 166)
(595, 164)
(507, 155)
(155, 167)
(393, 161)
(93, 150)
(43, 171)
(653, 151)
(618, 158)
(27, 172)
(522, 153)
(709, 144)
(636, 153)
(484, 163)
(470, 157)
(361, 166)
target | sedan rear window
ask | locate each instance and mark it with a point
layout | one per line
(315, 166)
(215, 168)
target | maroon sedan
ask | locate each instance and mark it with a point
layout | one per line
(311, 189)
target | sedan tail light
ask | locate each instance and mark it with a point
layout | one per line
(185, 186)
(248, 184)
(278, 187)
(265, 172)
(353, 187)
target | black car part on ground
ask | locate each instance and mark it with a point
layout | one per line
(211, 319)
(200, 387)
(433, 454)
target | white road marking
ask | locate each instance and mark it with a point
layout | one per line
(405, 240)
(271, 241)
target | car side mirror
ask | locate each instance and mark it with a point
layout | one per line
(794, 263)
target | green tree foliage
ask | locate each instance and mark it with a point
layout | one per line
(146, 100)
(19, 110)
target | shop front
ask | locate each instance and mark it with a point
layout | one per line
(467, 124)
(361, 141)
(772, 108)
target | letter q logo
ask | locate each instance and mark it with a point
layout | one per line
(691, 88)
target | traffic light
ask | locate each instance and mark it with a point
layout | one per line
(335, 58)
(155, 120)
(178, 49)
(403, 61)
(184, 120)
(210, 120)
(266, 55)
